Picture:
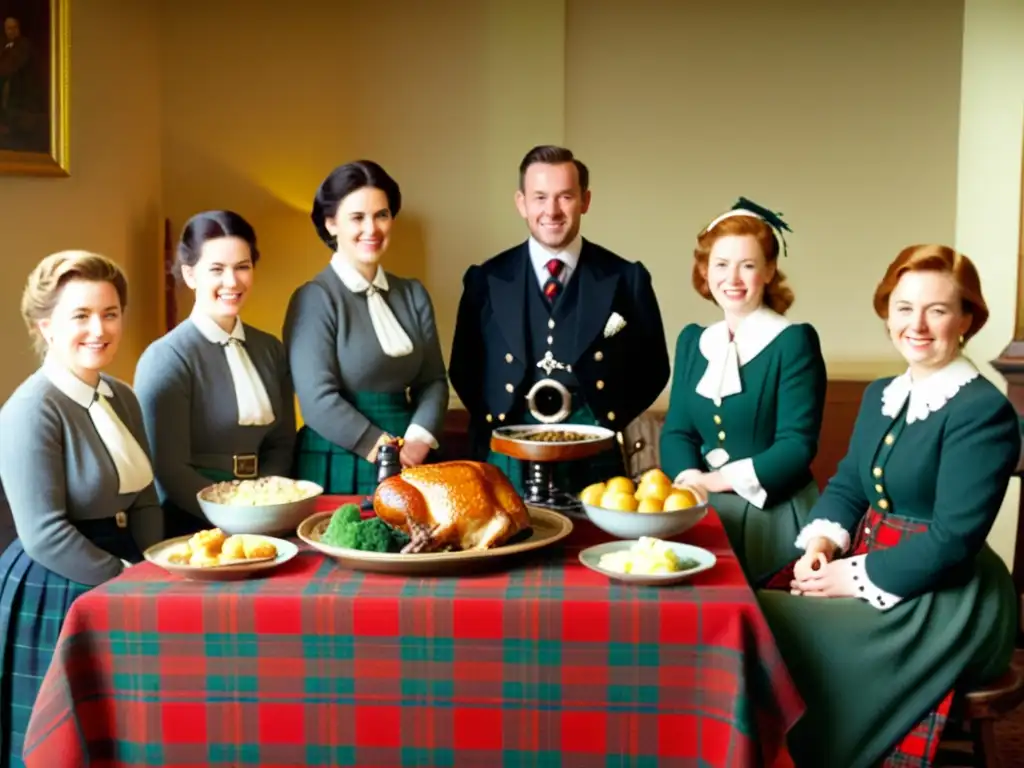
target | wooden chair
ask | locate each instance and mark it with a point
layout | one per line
(971, 734)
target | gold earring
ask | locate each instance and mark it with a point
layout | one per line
(962, 341)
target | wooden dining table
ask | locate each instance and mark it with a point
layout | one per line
(540, 663)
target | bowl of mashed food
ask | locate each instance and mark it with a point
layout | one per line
(267, 505)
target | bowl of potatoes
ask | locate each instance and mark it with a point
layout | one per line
(651, 506)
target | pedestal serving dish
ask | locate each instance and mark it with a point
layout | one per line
(544, 446)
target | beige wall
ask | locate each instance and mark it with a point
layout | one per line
(111, 201)
(989, 183)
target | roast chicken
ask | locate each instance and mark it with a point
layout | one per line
(461, 505)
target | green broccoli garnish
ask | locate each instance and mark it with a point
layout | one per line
(348, 530)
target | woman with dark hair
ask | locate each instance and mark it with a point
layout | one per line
(362, 342)
(215, 392)
(897, 599)
(748, 392)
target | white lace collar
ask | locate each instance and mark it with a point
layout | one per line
(214, 333)
(726, 355)
(927, 395)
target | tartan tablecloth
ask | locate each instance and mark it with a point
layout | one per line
(546, 664)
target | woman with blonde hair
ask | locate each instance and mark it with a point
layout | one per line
(748, 392)
(74, 466)
(897, 598)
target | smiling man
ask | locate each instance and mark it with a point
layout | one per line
(557, 329)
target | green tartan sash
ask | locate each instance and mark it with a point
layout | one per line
(569, 476)
(338, 470)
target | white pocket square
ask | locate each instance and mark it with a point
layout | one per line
(615, 324)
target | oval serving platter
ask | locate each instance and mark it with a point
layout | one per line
(158, 554)
(548, 527)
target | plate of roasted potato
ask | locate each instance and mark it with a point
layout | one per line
(212, 555)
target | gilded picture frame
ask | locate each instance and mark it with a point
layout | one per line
(34, 88)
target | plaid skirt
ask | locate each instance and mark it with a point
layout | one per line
(569, 476)
(33, 604)
(339, 470)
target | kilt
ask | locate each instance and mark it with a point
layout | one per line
(338, 470)
(902, 664)
(33, 604)
(178, 522)
(569, 476)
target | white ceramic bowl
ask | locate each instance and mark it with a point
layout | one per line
(705, 560)
(268, 519)
(633, 525)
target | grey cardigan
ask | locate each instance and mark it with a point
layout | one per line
(56, 470)
(333, 351)
(188, 401)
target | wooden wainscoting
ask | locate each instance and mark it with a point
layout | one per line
(842, 402)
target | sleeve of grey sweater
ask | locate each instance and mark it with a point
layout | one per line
(277, 448)
(32, 472)
(164, 388)
(311, 338)
(430, 387)
(145, 516)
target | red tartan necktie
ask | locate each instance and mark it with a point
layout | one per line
(553, 286)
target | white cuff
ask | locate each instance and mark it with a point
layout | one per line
(420, 435)
(834, 532)
(126, 563)
(743, 479)
(854, 577)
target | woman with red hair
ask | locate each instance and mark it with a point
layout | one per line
(748, 393)
(897, 598)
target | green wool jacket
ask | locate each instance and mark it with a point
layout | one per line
(949, 470)
(775, 420)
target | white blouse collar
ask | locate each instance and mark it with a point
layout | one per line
(72, 386)
(134, 471)
(353, 280)
(393, 340)
(726, 355)
(927, 395)
(213, 332)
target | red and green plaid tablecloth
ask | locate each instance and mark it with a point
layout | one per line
(547, 664)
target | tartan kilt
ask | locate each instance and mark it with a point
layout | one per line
(338, 470)
(569, 476)
(33, 604)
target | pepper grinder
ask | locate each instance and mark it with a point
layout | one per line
(388, 465)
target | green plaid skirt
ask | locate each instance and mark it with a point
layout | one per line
(339, 470)
(569, 476)
(33, 604)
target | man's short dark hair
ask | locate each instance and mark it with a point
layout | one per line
(552, 155)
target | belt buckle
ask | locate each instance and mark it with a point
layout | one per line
(121, 519)
(559, 406)
(246, 466)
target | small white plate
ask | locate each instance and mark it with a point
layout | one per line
(158, 554)
(591, 556)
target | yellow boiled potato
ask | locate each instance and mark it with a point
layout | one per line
(653, 490)
(618, 500)
(655, 475)
(650, 504)
(680, 498)
(592, 494)
(621, 484)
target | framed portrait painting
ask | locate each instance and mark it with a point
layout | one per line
(34, 49)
